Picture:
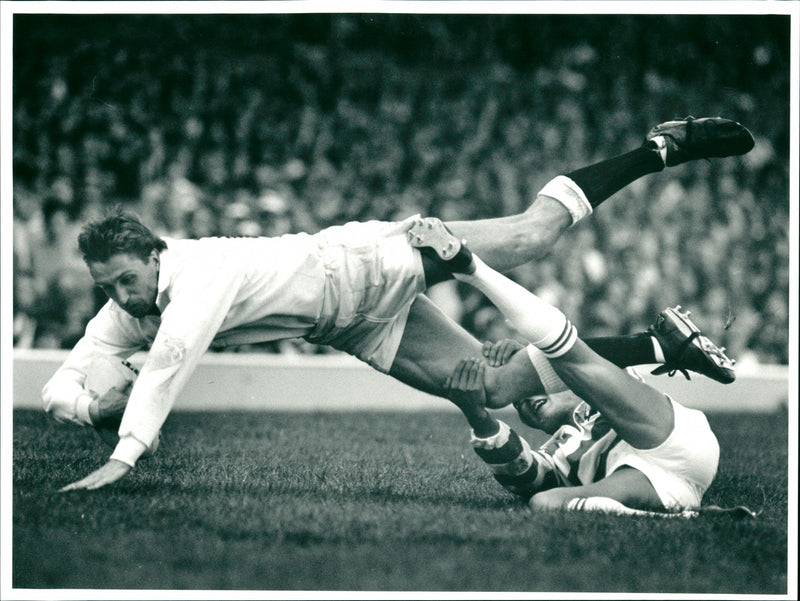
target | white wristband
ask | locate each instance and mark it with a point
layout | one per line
(495, 441)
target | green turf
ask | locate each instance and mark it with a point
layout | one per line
(369, 502)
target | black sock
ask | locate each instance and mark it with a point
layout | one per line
(603, 179)
(624, 351)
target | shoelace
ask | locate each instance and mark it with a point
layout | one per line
(670, 367)
(690, 136)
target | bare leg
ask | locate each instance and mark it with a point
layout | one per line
(640, 414)
(507, 242)
(626, 485)
(432, 346)
(430, 350)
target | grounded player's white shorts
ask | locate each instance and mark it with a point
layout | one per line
(682, 467)
(372, 275)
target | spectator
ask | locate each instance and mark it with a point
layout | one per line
(204, 145)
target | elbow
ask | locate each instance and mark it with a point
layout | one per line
(56, 407)
(48, 399)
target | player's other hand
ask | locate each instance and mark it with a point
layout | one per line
(108, 474)
(106, 411)
(500, 352)
(465, 386)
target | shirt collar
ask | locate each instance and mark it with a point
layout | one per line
(166, 267)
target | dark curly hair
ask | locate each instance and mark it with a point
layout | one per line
(119, 232)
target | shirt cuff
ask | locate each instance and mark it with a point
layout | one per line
(82, 408)
(128, 450)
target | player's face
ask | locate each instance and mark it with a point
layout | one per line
(546, 413)
(129, 281)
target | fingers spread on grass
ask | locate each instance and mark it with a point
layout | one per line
(112, 471)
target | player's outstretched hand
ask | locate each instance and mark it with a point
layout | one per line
(108, 474)
(499, 353)
(466, 389)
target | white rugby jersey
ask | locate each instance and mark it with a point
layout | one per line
(226, 290)
(575, 455)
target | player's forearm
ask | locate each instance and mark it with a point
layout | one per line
(201, 297)
(128, 450)
(169, 365)
(514, 465)
(150, 403)
(481, 421)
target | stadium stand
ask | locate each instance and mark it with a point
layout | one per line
(263, 125)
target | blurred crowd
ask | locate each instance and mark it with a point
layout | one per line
(295, 124)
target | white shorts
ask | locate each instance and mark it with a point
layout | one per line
(682, 467)
(372, 275)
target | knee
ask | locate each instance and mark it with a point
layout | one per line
(49, 403)
(551, 212)
(555, 499)
(61, 410)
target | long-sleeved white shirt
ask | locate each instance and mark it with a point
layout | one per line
(232, 290)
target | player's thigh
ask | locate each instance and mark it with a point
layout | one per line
(627, 485)
(640, 414)
(431, 347)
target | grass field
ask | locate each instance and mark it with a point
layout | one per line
(370, 502)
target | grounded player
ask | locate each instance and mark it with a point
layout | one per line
(617, 444)
(357, 288)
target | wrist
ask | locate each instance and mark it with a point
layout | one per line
(482, 422)
(128, 450)
(491, 440)
(94, 412)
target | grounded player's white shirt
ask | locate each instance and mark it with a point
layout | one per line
(226, 290)
(576, 454)
(587, 449)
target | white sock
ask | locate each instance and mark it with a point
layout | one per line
(551, 382)
(609, 505)
(539, 322)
